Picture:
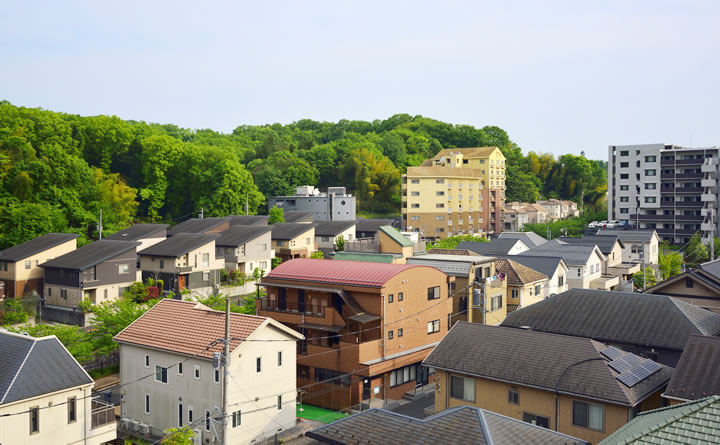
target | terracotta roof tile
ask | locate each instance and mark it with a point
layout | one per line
(517, 274)
(187, 328)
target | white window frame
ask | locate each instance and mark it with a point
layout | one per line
(465, 397)
(147, 360)
(123, 268)
(279, 359)
(162, 368)
(179, 368)
(196, 372)
(258, 365)
(216, 376)
(236, 418)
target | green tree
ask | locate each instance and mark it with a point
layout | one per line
(178, 436)
(670, 264)
(453, 241)
(276, 215)
(696, 252)
(111, 317)
(340, 243)
(318, 254)
(649, 276)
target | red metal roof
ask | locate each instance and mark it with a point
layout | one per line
(357, 273)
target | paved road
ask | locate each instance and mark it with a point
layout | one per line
(416, 408)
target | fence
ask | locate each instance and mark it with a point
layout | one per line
(103, 361)
(101, 414)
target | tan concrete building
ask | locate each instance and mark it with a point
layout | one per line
(293, 240)
(20, 271)
(573, 385)
(525, 286)
(459, 191)
(46, 396)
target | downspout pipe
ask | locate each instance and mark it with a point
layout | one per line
(557, 387)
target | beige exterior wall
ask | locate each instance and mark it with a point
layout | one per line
(348, 235)
(147, 242)
(54, 427)
(259, 418)
(193, 259)
(615, 256)
(304, 241)
(633, 251)
(554, 287)
(528, 294)
(19, 272)
(580, 277)
(493, 396)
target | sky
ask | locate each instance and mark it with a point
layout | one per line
(558, 76)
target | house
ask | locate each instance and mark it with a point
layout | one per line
(696, 375)
(328, 232)
(293, 240)
(456, 426)
(98, 272)
(612, 248)
(46, 396)
(537, 214)
(573, 385)
(498, 246)
(652, 326)
(699, 286)
(20, 271)
(367, 325)
(298, 217)
(515, 219)
(690, 423)
(387, 240)
(530, 239)
(175, 342)
(470, 272)
(636, 242)
(585, 264)
(200, 225)
(184, 262)
(552, 267)
(248, 220)
(246, 248)
(145, 234)
(554, 209)
(525, 286)
(368, 227)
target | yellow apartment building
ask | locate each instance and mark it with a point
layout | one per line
(459, 191)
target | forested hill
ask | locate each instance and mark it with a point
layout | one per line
(57, 171)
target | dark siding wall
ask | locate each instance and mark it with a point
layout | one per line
(62, 277)
(107, 271)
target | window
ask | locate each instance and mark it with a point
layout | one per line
(537, 290)
(258, 365)
(180, 415)
(161, 374)
(207, 420)
(190, 414)
(325, 239)
(414, 193)
(34, 420)
(28, 264)
(237, 419)
(561, 280)
(217, 376)
(123, 268)
(147, 403)
(402, 375)
(623, 199)
(303, 371)
(536, 420)
(180, 368)
(650, 158)
(206, 260)
(624, 188)
(400, 332)
(623, 165)
(414, 206)
(439, 181)
(72, 409)
(462, 388)
(588, 415)
(496, 303)
(650, 172)
(414, 218)
(279, 402)
(650, 186)
(689, 282)
(624, 176)
(514, 293)
(433, 326)
(400, 296)
(196, 372)
(390, 298)
(323, 375)
(433, 293)
(650, 199)
(439, 193)
(579, 271)
(280, 243)
(308, 241)
(279, 359)
(414, 181)
(390, 335)
(623, 210)
(439, 206)
(147, 361)
(624, 153)
(63, 293)
(206, 276)
(513, 397)
(440, 217)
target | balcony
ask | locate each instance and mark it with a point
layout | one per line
(364, 245)
(706, 227)
(101, 414)
(671, 162)
(672, 231)
(293, 308)
(681, 175)
(708, 197)
(681, 190)
(696, 204)
(712, 183)
(605, 282)
(709, 166)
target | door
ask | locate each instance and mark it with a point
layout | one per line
(421, 375)
(301, 300)
(282, 298)
(181, 282)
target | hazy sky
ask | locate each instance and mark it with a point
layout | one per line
(558, 76)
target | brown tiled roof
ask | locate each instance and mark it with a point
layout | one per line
(517, 274)
(465, 252)
(187, 327)
(534, 208)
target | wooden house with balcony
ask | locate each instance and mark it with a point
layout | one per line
(368, 326)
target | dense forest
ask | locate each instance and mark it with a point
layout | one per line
(58, 171)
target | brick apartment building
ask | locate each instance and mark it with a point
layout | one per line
(367, 325)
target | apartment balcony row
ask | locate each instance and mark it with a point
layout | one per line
(688, 218)
(708, 197)
(694, 175)
(683, 204)
(711, 183)
(293, 308)
(673, 231)
(681, 190)
(671, 162)
(706, 227)
(710, 166)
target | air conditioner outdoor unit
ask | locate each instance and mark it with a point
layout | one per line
(145, 428)
(125, 423)
(135, 425)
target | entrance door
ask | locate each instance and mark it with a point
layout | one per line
(421, 375)
(301, 300)
(282, 299)
(181, 282)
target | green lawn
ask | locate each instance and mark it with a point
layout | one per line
(319, 414)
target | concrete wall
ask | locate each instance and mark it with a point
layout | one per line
(324, 207)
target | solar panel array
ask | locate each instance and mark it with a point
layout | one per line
(632, 369)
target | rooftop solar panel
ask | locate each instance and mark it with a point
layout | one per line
(633, 359)
(620, 365)
(612, 352)
(628, 378)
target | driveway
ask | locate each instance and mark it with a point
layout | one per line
(416, 408)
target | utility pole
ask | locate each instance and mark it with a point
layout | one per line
(643, 266)
(226, 362)
(202, 213)
(482, 300)
(549, 234)
(712, 235)
(246, 204)
(99, 227)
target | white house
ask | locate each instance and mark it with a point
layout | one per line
(174, 343)
(46, 396)
(327, 234)
(635, 242)
(585, 264)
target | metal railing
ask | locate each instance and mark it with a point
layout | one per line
(292, 307)
(101, 414)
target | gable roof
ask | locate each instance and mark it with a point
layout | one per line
(570, 365)
(531, 239)
(697, 374)
(196, 225)
(468, 152)
(239, 235)
(461, 425)
(689, 423)
(573, 255)
(369, 257)
(396, 236)
(605, 243)
(31, 367)
(91, 254)
(630, 236)
(544, 264)
(700, 276)
(188, 328)
(288, 231)
(248, 220)
(464, 252)
(179, 245)
(518, 274)
(371, 224)
(35, 246)
(453, 265)
(140, 231)
(711, 268)
(353, 273)
(298, 217)
(497, 246)
(332, 228)
(630, 318)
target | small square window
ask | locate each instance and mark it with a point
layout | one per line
(400, 296)
(513, 397)
(123, 268)
(390, 298)
(400, 332)
(258, 365)
(196, 372)
(390, 335)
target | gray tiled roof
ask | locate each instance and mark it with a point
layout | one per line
(298, 217)
(196, 225)
(711, 268)
(573, 365)
(697, 374)
(371, 224)
(140, 231)
(461, 425)
(632, 236)
(37, 245)
(497, 246)
(31, 367)
(179, 244)
(248, 220)
(573, 255)
(239, 235)
(332, 228)
(92, 254)
(604, 243)
(544, 264)
(531, 239)
(287, 231)
(630, 318)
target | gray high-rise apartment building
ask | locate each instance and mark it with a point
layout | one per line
(335, 205)
(669, 188)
